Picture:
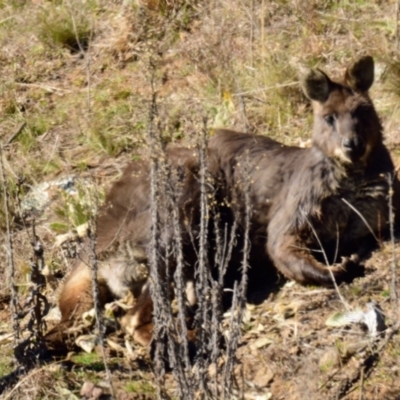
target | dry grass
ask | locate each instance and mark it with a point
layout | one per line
(77, 72)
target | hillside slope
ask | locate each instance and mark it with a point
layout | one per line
(76, 89)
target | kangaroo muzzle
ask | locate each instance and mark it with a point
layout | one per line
(354, 147)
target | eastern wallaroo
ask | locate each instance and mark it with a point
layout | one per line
(326, 204)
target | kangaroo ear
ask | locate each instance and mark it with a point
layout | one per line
(360, 75)
(315, 84)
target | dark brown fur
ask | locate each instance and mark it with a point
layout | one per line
(299, 199)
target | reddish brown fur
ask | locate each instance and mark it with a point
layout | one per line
(296, 199)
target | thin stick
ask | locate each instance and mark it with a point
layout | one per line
(155, 288)
(241, 98)
(240, 292)
(362, 217)
(252, 34)
(51, 89)
(85, 55)
(397, 25)
(7, 19)
(16, 134)
(329, 267)
(337, 244)
(202, 271)
(179, 280)
(282, 85)
(180, 350)
(10, 254)
(92, 235)
(393, 291)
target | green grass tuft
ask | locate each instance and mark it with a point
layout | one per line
(67, 25)
(140, 387)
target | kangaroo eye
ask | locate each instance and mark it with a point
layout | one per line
(330, 119)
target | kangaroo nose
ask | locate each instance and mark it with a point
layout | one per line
(350, 143)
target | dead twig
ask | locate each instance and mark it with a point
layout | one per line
(397, 25)
(47, 88)
(32, 348)
(202, 273)
(362, 384)
(155, 280)
(93, 261)
(363, 219)
(16, 133)
(274, 87)
(336, 287)
(10, 253)
(85, 55)
(239, 291)
(393, 290)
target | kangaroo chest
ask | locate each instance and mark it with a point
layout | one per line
(358, 207)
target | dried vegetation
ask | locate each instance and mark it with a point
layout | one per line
(76, 94)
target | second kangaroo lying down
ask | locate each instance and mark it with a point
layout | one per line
(331, 196)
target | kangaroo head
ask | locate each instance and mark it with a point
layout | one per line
(346, 126)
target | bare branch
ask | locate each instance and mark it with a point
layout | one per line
(93, 261)
(10, 253)
(393, 291)
(363, 219)
(344, 302)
